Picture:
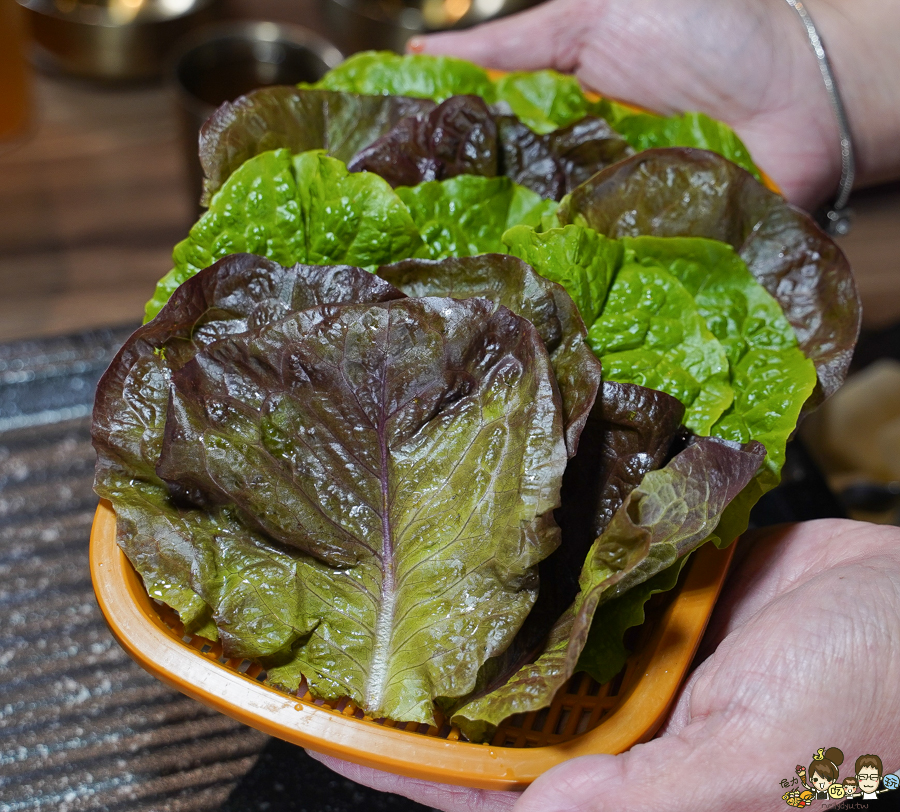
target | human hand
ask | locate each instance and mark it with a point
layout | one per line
(798, 655)
(747, 63)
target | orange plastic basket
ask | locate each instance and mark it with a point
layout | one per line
(584, 718)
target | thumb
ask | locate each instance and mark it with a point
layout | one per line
(545, 36)
(689, 772)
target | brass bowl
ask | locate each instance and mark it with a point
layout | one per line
(111, 40)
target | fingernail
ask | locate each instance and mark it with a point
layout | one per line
(415, 45)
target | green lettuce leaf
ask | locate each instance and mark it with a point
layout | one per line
(416, 490)
(605, 653)
(770, 390)
(651, 333)
(310, 208)
(581, 260)
(509, 282)
(302, 208)
(468, 214)
(544, 100)
(429, 77)
(669, 513)
(770, 375)
(354, 218)
(256, 212)
(648, 131)
(745, 319)
(738, 310)
(695, 193)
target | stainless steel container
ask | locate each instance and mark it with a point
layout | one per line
(112, 40)
(220, 62)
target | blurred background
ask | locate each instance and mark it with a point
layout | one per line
(98, 181)
(94, 177)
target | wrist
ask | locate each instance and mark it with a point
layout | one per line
(863, 45)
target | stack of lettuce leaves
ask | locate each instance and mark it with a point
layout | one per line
(454, 374)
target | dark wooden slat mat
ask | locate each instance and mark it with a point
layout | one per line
(82, 727)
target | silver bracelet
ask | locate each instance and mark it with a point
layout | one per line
(838, 217)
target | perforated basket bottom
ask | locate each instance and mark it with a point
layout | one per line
(578, 707)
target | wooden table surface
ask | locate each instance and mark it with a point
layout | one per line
(94, 199)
